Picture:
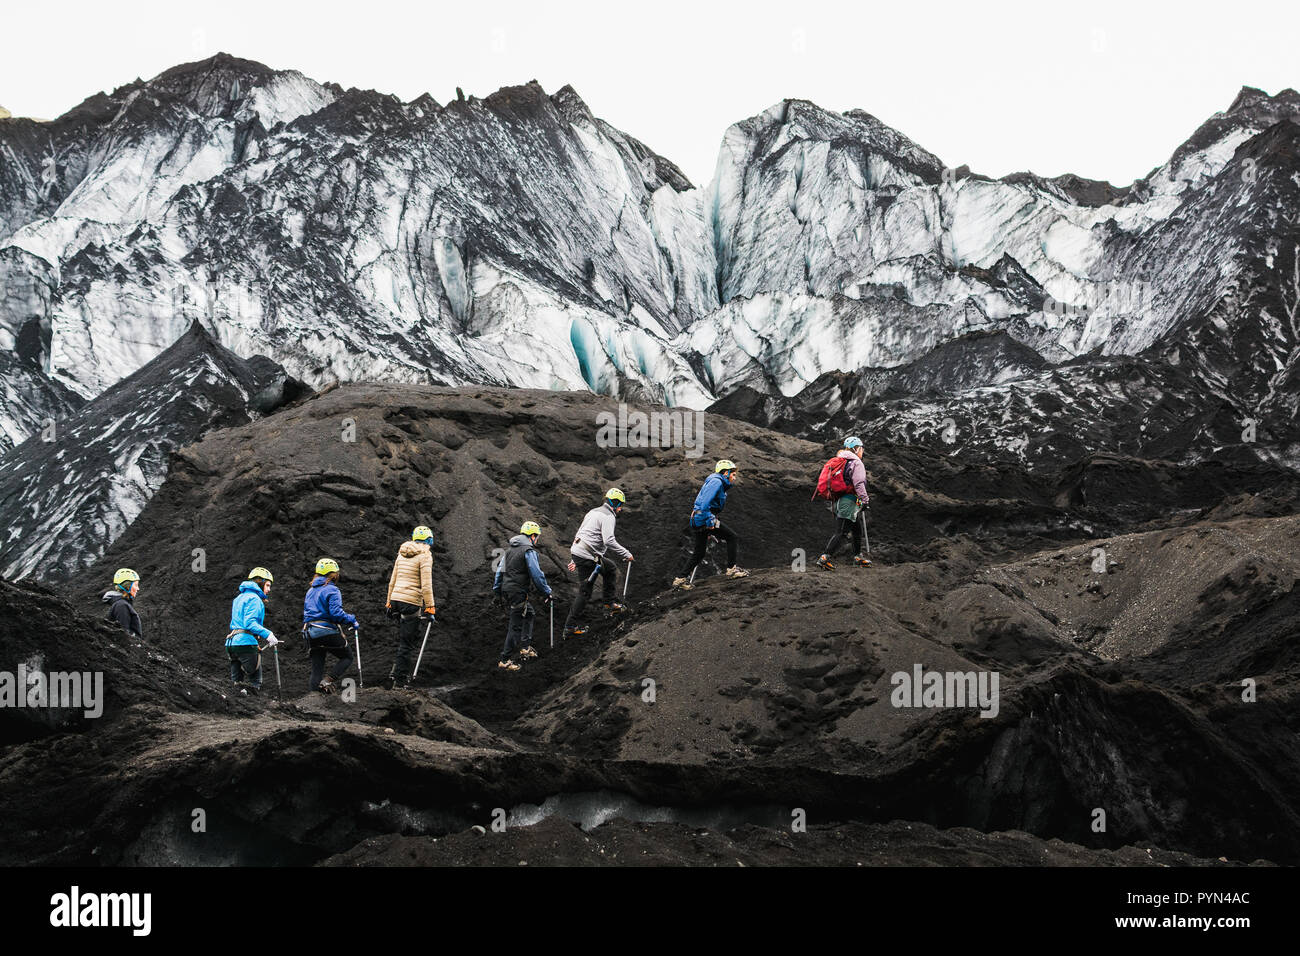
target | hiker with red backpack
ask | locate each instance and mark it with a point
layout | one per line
(843, 483)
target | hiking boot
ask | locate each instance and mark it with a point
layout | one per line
(577, 631)
(614, 607)
(508, 665)
(683, 584)
(528, 652)
(736, 571)
(862, 561)
(328, 685)
(824, 562)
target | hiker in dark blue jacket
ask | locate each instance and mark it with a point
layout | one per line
(248, 634)
(322, 615)
(517, 576)
(705, 523)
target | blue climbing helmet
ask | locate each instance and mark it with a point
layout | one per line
(852, 442)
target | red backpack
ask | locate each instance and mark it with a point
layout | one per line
(832, 481)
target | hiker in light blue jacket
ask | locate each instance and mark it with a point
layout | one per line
(248, 634)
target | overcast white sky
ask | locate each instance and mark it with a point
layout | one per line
(1105, 90)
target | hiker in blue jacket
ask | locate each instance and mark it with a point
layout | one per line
(322, 615)
(248, 635)
(705, 523)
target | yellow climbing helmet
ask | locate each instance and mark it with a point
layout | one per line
(725, 464)
(421, 533)
(615, 494)
(326, 566)
(262, 573)
(531, 527)
(124, 575)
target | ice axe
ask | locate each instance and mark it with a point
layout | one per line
(356, 634)
(279, 686)
(420, 656)
(275, 649)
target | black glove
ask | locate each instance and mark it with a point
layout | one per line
(390, 611)
(548, 599)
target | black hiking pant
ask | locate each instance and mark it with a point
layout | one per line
(845, 527)
(328, 642)
(519, 630)
(588, 571)
(701, 539)
(409, 633)
(245, 662)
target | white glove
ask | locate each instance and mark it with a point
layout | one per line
(271, 639)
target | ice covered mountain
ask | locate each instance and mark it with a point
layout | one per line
(67, 493)
(1168, 328)
(29, 399)
(516, 239)
(519, 240)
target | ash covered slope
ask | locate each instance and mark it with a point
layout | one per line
(474, 465)
(770, 690)
(309, 780)
(62, 502)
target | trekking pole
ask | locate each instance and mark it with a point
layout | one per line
(356, 633)
(552, 604)
(420, 656)
(627, 576)
(279, 687)
(862, 516)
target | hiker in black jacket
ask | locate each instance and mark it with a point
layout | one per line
(121, 602)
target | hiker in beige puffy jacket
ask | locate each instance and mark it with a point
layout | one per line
(410, 597)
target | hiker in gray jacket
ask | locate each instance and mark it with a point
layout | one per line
(591, 545)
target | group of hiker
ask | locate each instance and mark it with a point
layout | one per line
(517, 579)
